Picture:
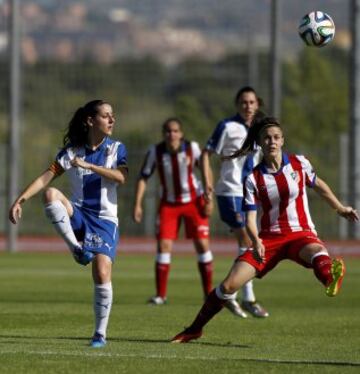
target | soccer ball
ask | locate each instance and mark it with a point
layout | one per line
(317, 29)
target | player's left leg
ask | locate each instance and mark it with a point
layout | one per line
(197, 229)
(103, 297)
(59, 211)
(240, 273)
(329, 271)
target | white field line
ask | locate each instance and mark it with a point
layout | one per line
(181, 356)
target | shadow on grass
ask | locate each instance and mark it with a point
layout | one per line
(161, 341)
(119, 339)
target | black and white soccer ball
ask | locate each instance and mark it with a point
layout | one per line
(317, 29)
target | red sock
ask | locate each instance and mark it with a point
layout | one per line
(162, 274)
(206, 272)
(322, 269)
(212, 306)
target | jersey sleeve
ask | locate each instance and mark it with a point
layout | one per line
(196, 152)
(310, 175)
(216, 141)
(121, 157)
(63, 158)
(250, 194)
(149, 163)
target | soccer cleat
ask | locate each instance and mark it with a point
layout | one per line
(235, 308)
(157, 300)
(255, 309)
(98, 341)
(82, 257)
(337, 271)
(185, 336)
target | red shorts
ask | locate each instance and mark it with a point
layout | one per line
(280, 247)
(170, 215)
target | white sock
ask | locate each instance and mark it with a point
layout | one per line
(248, 292)
(60, 219)
(103, 296)
(225, 296)
(163, 258)
(203, 258)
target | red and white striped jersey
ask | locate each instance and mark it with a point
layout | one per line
(282, 195)
(178, 182)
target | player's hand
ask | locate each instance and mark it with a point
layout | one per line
(15, 213)
(208, 193)
(260, 249)
(137, 214)
(349, 213)
(208, 208)
(79, 162)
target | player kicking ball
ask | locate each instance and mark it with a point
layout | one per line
(88, 223)
(278, 186)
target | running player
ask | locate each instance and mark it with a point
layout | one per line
(181, 199)
(228, 137)
(87, 222)
(278, 185)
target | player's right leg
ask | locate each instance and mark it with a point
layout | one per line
(162, 269)
(59, 210)
(249, 303)
(167, 226)
(240, 273)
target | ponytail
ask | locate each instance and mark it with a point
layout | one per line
(78, 128)
(259, 123)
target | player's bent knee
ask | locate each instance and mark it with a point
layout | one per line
(50, 194)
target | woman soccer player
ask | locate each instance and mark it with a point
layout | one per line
(229, 135)
(181, 199)
(88, 222)
(278, 186)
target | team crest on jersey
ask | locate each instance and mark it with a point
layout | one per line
(81, 172)
(295, 176)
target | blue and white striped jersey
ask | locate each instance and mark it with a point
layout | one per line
(228, 137)
(89, 190)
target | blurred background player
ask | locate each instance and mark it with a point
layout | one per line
(278, 185)
(181, 199)
(227, 138)
(87, 222)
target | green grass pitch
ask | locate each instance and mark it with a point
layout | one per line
(46, 321)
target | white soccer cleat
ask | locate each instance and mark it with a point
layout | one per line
(157, 300)
(235, 308)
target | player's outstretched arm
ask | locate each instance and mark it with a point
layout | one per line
(32, 189)
(326, 193)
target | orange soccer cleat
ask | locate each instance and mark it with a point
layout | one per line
(185, 336)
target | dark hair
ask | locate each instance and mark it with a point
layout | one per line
(248, 89)
(77, 130)
(166, 123)
(260, 123)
